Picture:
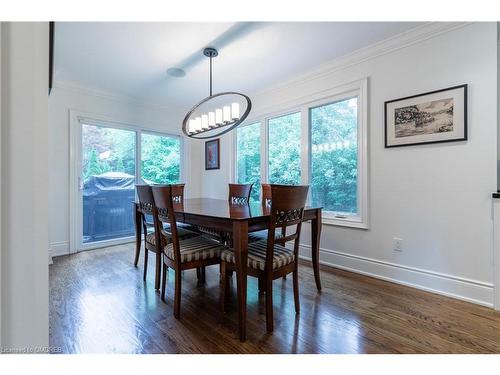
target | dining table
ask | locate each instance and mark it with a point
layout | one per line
(239, 220)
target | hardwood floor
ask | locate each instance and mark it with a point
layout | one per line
(99, 304)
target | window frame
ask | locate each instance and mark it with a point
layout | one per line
(78, 118)
(303, 105)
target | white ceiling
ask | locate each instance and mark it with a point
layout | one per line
(132, 58)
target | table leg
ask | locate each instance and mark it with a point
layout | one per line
(315, 238)
(138, 234)
(240, 243)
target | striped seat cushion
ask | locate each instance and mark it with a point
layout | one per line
(261, 235)
(257, 255)
(195, 248)
(167, 236)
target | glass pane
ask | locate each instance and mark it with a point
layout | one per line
(160, 159)
(284, 149)
(334, 156)
(248, 158)
(108, 173)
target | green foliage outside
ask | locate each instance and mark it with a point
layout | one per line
(161, 158)
(333, 174)
(113, 150)
(248, 151)
(334, 156)
(107, 150)
(284, 149)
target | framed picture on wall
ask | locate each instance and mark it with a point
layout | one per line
(432, 117)
(212, 154)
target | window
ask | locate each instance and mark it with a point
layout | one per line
(319, 141)
(160, 159)
(248, 158)
(284, 149)
(334, 156)
(109, 159)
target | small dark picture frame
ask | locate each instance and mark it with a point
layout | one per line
(432, 117)
(212, 154)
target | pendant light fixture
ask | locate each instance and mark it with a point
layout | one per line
(217, 114)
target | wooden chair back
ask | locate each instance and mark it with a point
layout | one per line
(239, 193)
(163, 212)
(178, 193)
(266, 194)
(287, 209)
(146, 200)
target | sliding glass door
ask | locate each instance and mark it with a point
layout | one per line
(107, 183)
(109, 160)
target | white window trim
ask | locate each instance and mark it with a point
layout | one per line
(357, 88)
(75, 204)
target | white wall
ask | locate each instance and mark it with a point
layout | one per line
(24, 241)
(436, 197)
(120, 109)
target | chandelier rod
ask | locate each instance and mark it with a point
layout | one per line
(211, 75)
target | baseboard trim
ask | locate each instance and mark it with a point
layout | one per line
(58, 248)
(464, 289)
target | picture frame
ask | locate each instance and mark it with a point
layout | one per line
(212, 154)
(433, 117)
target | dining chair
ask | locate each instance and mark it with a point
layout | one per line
(177, 197)
(180, 255)
(266, 204)
(239, 193)
(267, 259)
(146, 205)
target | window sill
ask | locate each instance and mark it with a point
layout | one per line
(350, 223)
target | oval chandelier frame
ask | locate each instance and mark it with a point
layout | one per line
(227, 125)
(231, 125)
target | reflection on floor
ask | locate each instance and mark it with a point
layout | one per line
(99, 304)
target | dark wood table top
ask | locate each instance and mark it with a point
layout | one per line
(222, 209)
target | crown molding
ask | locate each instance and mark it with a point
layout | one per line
(408, 38)
(125, 99)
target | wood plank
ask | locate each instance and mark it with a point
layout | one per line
(99, 303)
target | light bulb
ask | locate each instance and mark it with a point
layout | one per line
(211, 119)
(235, 111)
(227, 113)
(218, 116)
(191, 126)
(197, 124)
(204, 122)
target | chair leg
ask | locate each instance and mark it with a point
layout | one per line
(262, 285)
(284, 277)
(203, 275)
(224, 297)
(198, 273)
(146, 251)
(177, 297)
(164, 282)
(269, 304)
(137, 253)
(158, 271)
(296, 291)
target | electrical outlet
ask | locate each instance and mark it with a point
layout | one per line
(397, 244)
